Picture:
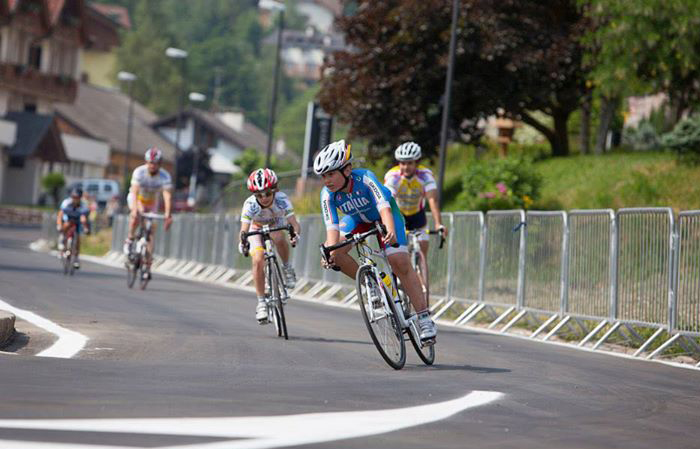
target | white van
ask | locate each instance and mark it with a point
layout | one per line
(102, 189)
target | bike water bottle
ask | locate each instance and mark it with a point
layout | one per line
(390, 285)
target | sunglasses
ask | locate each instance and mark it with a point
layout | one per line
(264, 194)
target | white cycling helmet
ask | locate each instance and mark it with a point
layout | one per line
(333, 156)
(408, 151)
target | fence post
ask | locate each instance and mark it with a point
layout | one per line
(565, 265)
(614, 255)
(450, 258)
(673, 273)
(521, 260)
(482, 256)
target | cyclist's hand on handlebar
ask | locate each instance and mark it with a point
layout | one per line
(294, 240)
(389, 238)
(443, 229)
(168, 222)
(243, 248)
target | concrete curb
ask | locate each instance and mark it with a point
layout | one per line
(7, 327)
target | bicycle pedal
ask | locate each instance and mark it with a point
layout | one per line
(428, 341)
(263, 321)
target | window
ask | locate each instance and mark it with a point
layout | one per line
(35, 57)
(93, 188)
(108, 188)
(29, 107)
(16, 162)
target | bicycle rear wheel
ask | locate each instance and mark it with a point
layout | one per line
(277, 292)
(382, 322)
(144, 280)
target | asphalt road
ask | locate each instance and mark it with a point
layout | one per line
(184, 350)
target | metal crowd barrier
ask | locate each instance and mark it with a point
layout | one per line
(596, 268)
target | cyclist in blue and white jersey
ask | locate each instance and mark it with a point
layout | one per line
(364, 201)
(73, 212)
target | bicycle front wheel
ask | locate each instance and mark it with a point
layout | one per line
(380, 318)
(277, 293)
(425, 352)
(132, 270)
(73, 248)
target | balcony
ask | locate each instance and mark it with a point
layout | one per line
(30, 81)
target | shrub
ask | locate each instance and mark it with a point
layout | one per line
(509, 183)
(642, 138)
(53, 183)
(685, 140)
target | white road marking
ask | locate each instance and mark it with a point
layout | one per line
(259, 432)
(69, 342)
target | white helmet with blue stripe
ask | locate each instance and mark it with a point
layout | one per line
(333, 156)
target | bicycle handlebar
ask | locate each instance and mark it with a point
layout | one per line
(265, 232)
(351, 239)
(440, 231)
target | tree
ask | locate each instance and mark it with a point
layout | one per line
(519, 55)
(644, 46)
(53, 183)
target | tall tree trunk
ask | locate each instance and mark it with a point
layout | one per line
(586, 123)
(558, 137)
(561, 134)
(607, 110)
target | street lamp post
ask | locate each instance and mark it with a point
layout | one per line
(192, 194)
(446, 100)
(129, 78)
(273, 5)
(176, 53)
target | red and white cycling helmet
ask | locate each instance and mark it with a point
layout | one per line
(154, 155)
(261, 179)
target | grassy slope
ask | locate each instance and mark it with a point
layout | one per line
(615, 180)
(619, 180)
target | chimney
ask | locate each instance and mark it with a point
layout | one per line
(233, 119)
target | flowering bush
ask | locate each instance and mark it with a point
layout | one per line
(510, 183)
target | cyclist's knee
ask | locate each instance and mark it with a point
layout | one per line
(400, 263)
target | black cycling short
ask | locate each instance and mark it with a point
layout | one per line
(416, 221)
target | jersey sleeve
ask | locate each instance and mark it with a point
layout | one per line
(329, 211)
(428, 180)
(286, 204)
(390, 181)
(136, 177)
(166, 180)
(64, 204)
(381, 199)
(248, 212)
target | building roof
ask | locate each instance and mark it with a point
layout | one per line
(250, 136)
(102, 113)
(116, 13)
(37, 136)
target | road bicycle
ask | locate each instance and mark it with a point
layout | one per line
(385, 307)
(418, 260)
(70, 250)
(276, 294)
(136, 265)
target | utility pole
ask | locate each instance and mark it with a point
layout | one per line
(446, 100)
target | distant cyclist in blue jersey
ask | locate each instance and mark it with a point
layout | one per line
(364, 201)
(73, 212)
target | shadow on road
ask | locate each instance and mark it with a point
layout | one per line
(448, 367)
(18, 341)
(58, 270)
(329, 340)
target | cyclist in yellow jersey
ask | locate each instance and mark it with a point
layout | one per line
(411, 184)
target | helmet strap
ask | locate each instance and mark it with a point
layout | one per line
(347, 179)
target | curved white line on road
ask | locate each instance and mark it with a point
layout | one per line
(69, 342)
(262, 432)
